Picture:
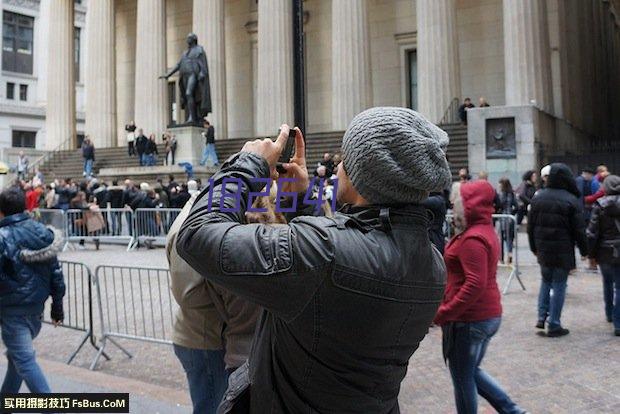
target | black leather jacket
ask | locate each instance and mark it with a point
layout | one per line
(348, 299)
(604, 230)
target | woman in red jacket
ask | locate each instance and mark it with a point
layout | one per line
(471, 310)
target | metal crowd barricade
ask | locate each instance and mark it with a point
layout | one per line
(77, 304)
(506, 226)
(134, 303)
(103, 225)
(53, 218)
(151, 225)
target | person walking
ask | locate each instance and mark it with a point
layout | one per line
(212, 329)
(525, 192)
(470, 313)
(339, 327)
(150, 152)
(554, 226)
(170, 143)
(131, 137)
(604, 245)
(507, 205)
(209, 151)
(22, 165)
(88, 153)
(141, 143)
(30, 273)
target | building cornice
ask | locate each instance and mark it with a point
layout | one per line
(27, 4)
(30, 111)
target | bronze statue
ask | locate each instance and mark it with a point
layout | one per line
(194, 82)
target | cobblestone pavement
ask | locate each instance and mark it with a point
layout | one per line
(574, 374)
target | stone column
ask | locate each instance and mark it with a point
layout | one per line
(151, 113)
(351, 76)
(438, 59)
(100, 76)
(208, 25)
(60, 109)
(275, 65)
(527, 54)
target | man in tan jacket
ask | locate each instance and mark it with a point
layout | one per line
(212, 330)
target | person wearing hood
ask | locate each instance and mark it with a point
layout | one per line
(29, 274)
(604, 245)
(471, 310)
(554, 226)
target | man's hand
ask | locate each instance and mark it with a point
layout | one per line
(268, 149)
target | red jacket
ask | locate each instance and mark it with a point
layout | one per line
(471, 259)
(32, 199)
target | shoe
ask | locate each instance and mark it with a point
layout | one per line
(609, 319)
(555, 333)
(540, 324)
(97, 244)
(617, 332)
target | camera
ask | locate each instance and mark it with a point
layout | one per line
(288, 151)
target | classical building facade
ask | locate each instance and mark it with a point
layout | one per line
(561, 57)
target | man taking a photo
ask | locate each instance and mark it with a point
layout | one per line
(347, 299)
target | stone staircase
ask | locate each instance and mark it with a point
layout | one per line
(69, 163)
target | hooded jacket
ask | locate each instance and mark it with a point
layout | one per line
(347, 298)
(555, 223)
(604, 228)
(471, 259)
(29, 269)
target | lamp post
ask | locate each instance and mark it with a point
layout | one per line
(299, 67)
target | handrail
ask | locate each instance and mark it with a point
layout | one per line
(49, 155)
(451, 114)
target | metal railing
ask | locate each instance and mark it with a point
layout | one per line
(451, 114)
(151, 225)
(134, 303)
(99, 225)
(77, 304)
(506, 227)
(50, 156)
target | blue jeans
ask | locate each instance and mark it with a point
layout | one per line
(611, 289)
(470, 344)
(553, 279)
(17, 335)
(206, 375)
(88, 167)
(209, 152)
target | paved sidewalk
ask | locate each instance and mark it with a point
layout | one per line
(144, 398)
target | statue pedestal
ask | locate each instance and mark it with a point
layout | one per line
(190, 144)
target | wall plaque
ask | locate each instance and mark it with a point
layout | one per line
(500, 137)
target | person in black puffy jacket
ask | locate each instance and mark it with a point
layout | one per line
(604, 245)
(554, 225)
(29, 274)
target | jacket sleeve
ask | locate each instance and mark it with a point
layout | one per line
(593, 230)
(474, 260)
(578, 224)
(531, 219)
(276, 266)
(57, 291)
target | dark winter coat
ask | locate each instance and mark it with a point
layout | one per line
(29, 269)
(141, 143)
(555, 223)
(604, 230)
(88, 151)
(348, 299)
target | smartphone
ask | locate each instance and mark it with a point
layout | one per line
(288, 151)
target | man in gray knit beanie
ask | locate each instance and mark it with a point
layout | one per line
(394, 155)
(348, 298)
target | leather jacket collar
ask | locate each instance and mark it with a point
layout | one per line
(382, 217)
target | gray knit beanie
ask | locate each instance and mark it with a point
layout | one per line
(395, 155)
(611, 184)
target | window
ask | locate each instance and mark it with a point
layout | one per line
(17, 50)
(23, 92)
(412, 77)
(25, 139)
(10, 90)
(76, 51)
(80, 139)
